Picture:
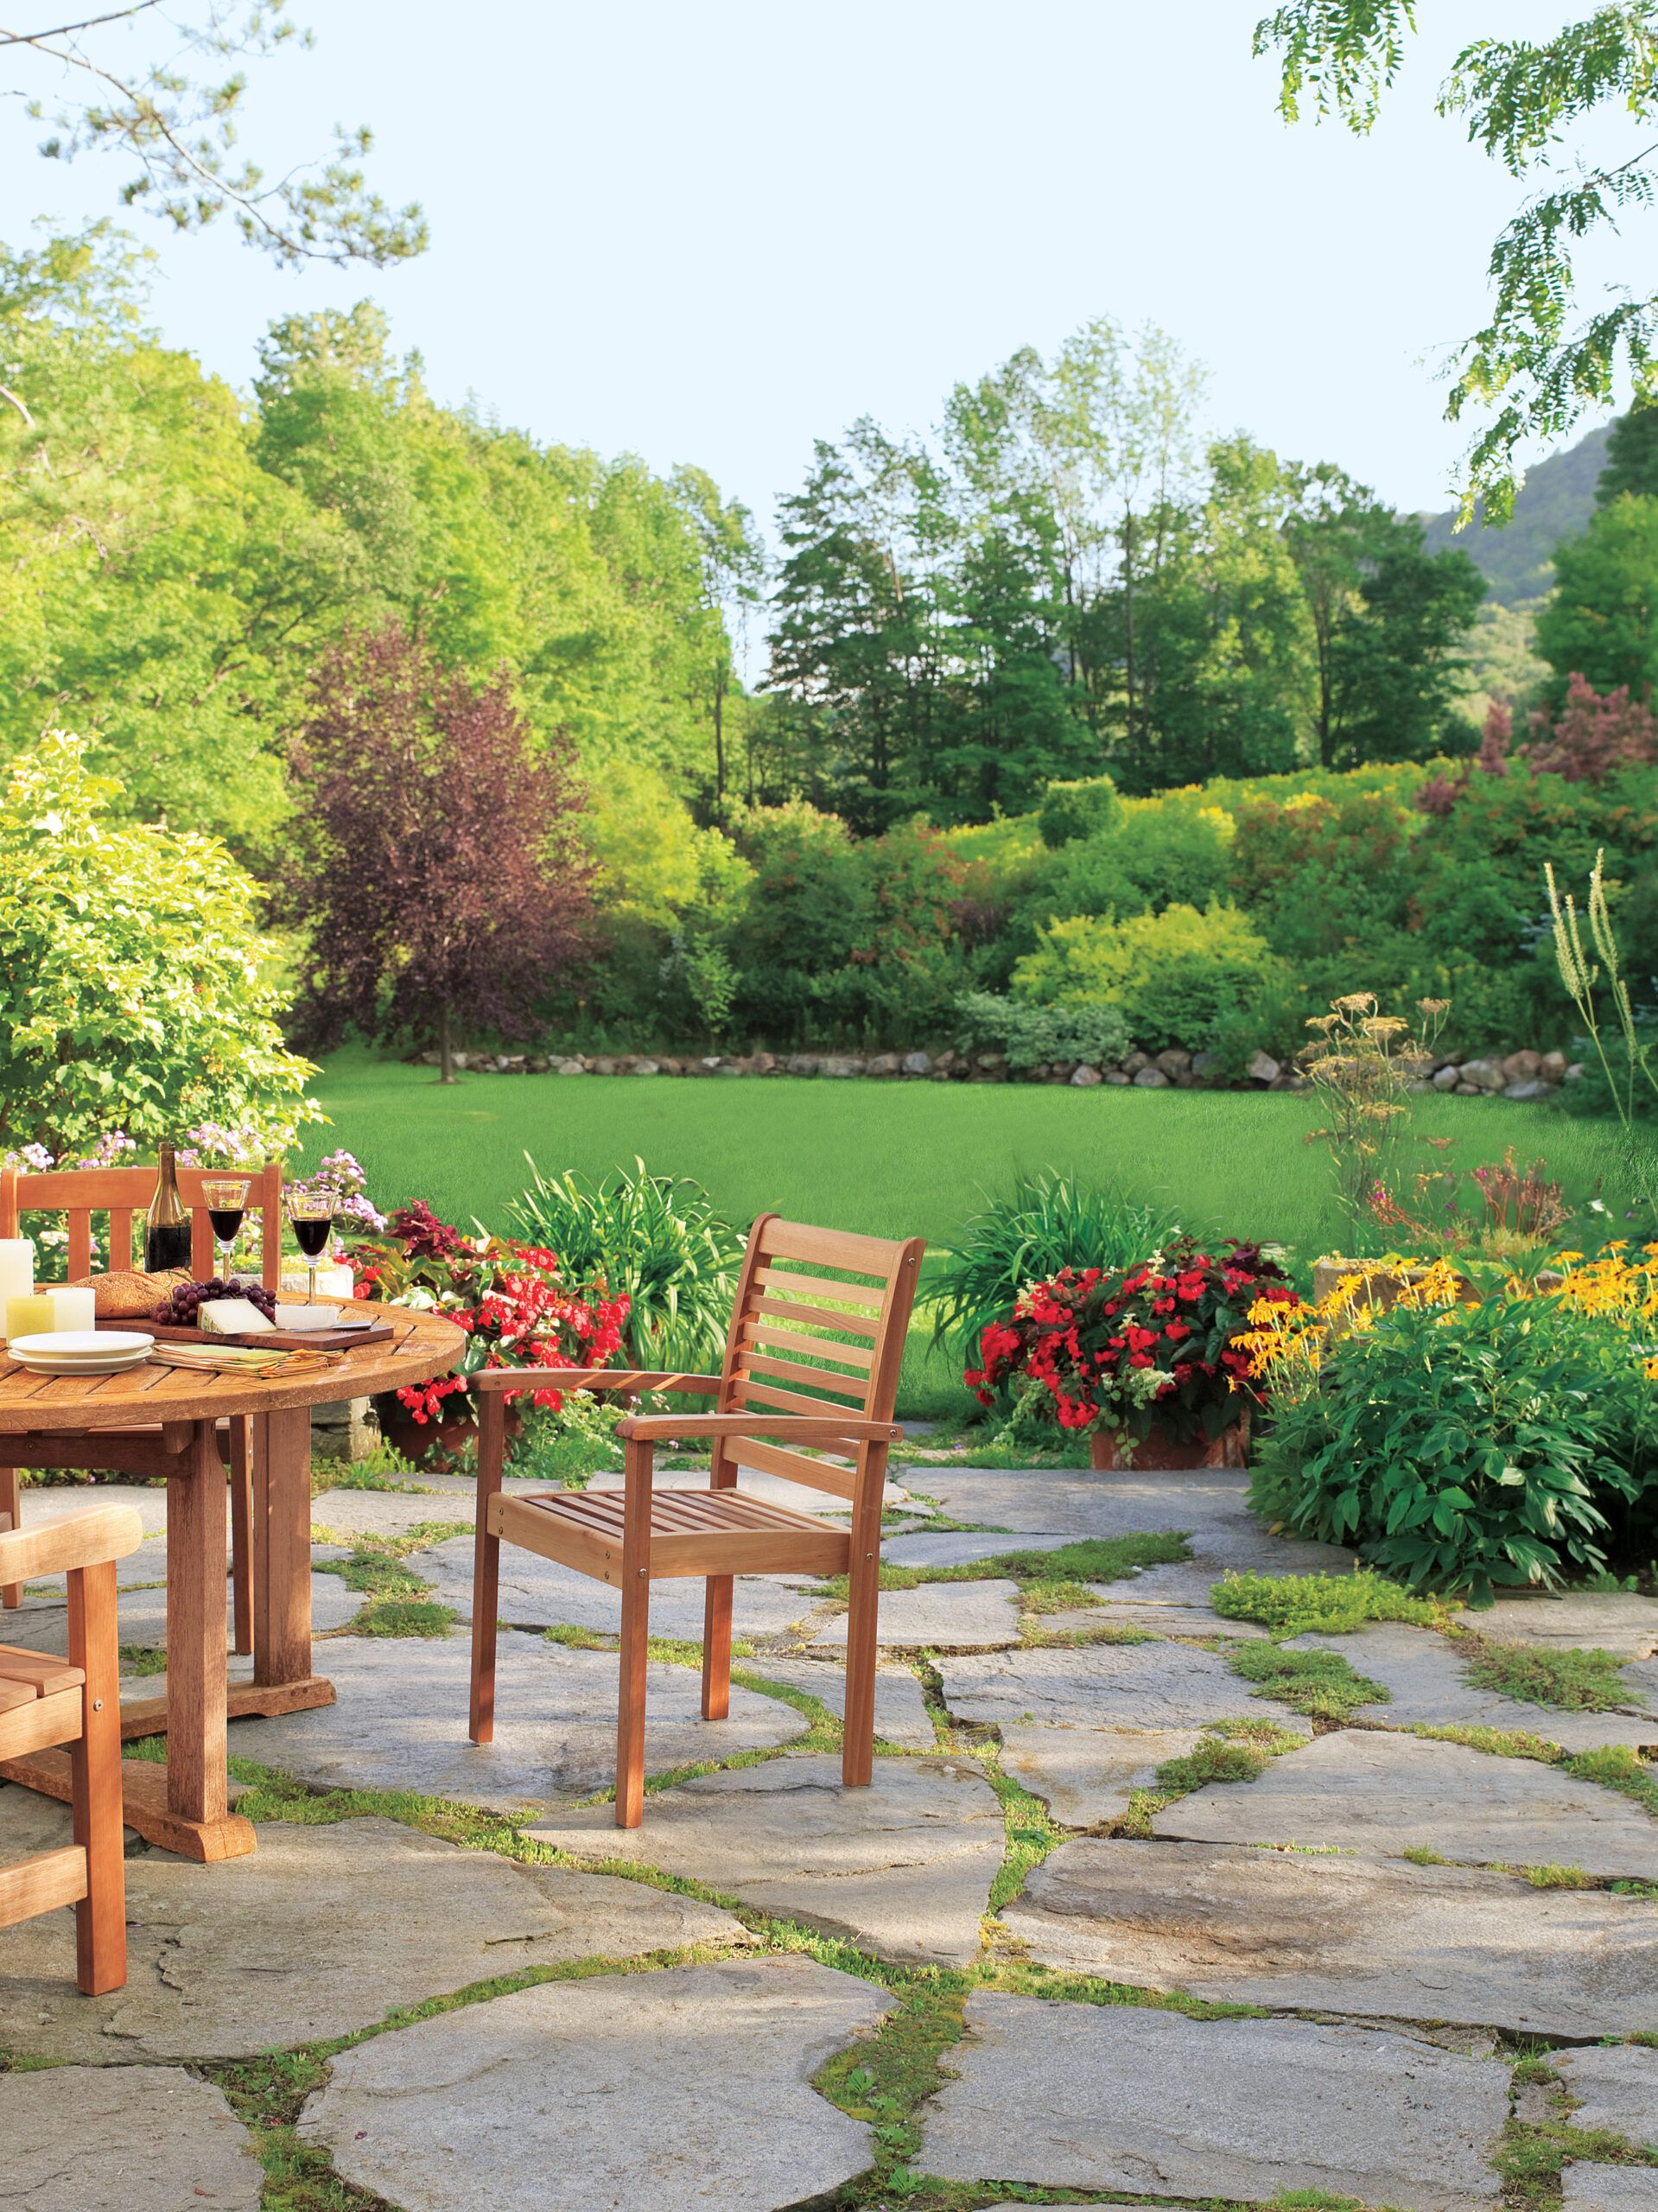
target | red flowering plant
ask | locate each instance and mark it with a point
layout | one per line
(1124, 1348)
(510, 1298)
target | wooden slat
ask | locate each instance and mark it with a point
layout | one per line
(16, 1694)
(81, 1245)
(818, 1378)
(38, 1671)
(866, 1295)
(120, 1239)
(764, 1331)
(794, 1467)
(79, 1539)
(549, 1536)
(95, 1766)
(830, 1248)
(281, 1547)
(197, 1626)
(752, 1551)
(792, 1402)
(37, 1886)
(53, 1719)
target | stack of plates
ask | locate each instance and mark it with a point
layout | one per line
(81, 1351)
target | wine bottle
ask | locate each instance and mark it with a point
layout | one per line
(167, 1225)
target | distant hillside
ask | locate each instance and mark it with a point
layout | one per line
(1555, 501)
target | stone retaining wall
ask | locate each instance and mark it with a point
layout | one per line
(1524, 1074)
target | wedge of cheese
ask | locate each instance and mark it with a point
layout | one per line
(229, 1316)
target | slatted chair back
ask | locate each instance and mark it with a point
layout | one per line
(123, 1194)
(817, 1328)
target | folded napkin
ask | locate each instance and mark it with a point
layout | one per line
(241, 1359)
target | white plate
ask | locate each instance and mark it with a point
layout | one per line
(82, 1343)
(36, 1365)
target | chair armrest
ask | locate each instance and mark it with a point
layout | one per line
(797, 1427)
(590, 1378)
(109, 1532)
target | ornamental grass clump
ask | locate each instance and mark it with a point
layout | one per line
(1125, 1348)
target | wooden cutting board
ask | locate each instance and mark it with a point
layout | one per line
(377, 1332)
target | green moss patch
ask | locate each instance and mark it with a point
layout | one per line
(1577, 1682)
(1321, 1684)
(1331, 1604)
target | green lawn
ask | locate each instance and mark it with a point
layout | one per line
(895, 1158)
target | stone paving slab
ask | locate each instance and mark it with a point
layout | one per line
(1605, 1620)
(140, 2138)
(1611, 2188)
(1106, 1685)
(1121, 2096)
(394, 1512)
(938, 1617)
(1115, 1611)
(319, 1931)
(400, 1723)
(1365, 1937)
(45, 1501)
(1086, 1775)
(677, 2091)
(140, 1617)
(1359, 1789)
(1616, 2089)
(1425, 1673)
(901, 1713)
(902, 1867)
(538, 1592)
(962, 1547)
(139, 1570)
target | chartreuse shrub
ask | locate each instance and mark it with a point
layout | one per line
(1174, 975)
(1032, 1036)
(1069, 810)
(133, 990)
(1467, 1446)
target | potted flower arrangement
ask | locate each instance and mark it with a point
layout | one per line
(1143, 1358)
(511, 1302)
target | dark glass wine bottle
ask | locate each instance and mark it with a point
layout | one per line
(167, 1225)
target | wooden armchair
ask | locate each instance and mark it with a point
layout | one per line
(810, 1359)
(75, 1701)
(124, 1193)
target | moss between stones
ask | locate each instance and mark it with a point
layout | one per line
(1576, 1681)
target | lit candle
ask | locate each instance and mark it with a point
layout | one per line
(72, 1308)
(30, 1316)
(16, 1271)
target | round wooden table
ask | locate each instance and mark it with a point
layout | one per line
(155, 1420)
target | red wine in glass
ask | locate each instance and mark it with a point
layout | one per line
(311, 1233)
(312, 1214)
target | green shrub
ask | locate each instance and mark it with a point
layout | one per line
(1174, 975)
(1045, 1222)
(1465, 1448)
(133, 990)
(1332, 1605)
(1078, 810)
(1033, 1036)
(657, 1238)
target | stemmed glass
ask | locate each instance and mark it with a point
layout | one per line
(311, 1210)
(227, 1201)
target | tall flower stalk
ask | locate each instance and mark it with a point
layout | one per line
(1625, 1061)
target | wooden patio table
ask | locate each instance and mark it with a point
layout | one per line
(92, 1421)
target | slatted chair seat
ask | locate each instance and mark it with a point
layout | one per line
(586, 1528)
(810, 1367)
(77, 1702)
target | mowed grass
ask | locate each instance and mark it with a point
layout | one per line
(901, 1159)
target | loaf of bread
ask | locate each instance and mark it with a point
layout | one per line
(127, 1294)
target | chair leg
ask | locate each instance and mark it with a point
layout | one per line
(95, 1782)
(716, 1648)
(858, 1737)
(486, 1565)
(636, 1633)
(242, 1533)
(12, 1508)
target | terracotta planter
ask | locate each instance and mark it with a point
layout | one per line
(1160, 1451)
(435, 1443)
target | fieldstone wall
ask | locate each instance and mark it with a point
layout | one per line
(1523, 1075)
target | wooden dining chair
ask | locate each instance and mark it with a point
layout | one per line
(76, 1702)
(124, 1193)
(811, 1359)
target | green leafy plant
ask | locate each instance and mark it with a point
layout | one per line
(1463, 1447)
(1045, 1222)
(1035, 1036)
(1174, 975)
(655, 1238)
(133, 993)
(1623, 1052)
(1331, 1604)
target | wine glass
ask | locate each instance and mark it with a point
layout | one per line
(227, 1203)
(311, 1210)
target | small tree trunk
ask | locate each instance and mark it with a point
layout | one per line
(445, 1045)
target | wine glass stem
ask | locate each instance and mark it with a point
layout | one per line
(310, 1294)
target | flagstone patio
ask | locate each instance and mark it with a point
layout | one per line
(1069, 1940)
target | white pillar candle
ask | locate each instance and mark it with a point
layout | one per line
(332, 1282)
(72, 1309)
(17, 1272)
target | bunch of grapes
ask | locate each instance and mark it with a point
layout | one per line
(180, 1309)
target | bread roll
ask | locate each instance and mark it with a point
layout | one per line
(127, 1294)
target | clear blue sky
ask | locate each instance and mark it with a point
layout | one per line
(712, 234)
